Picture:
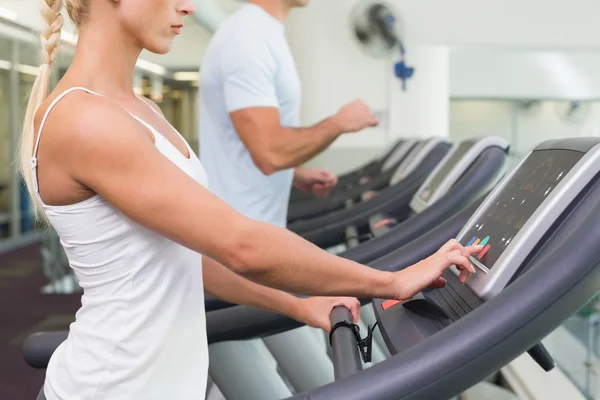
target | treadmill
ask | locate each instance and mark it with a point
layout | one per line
(309, 349)
(489, 155)
(467, 174)
(405, 181)
(303, 354)
(438, 357)
(261, 360)
(273, 386)
(352, 177)
(471, 168)
(234, 324)
(211, 303)
(539, 265)
(313, 207)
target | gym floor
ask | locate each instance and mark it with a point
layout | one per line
(24, 310)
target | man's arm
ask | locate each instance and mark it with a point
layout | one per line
(274, 147)
(249, 68)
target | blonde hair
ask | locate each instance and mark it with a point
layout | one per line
(50, 39)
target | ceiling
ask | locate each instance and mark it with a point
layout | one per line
(556, 25)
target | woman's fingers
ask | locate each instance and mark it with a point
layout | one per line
(460, 261)
(462, 278)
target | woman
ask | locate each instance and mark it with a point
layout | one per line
(141, 229)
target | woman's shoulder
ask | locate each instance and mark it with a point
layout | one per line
(72, 114)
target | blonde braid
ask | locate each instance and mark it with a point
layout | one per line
(53, 23)
(50, 38)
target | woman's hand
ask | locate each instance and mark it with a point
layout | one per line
(428, 273)
(315, 311)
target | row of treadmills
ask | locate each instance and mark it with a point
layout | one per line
(537, 220)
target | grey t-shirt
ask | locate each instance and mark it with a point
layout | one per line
(247, 64)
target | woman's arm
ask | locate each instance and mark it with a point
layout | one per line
(221, 282)
(314, 311)
(105, 149)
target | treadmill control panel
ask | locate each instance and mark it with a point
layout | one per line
(534, 209)
(517, 214)
(512, 207)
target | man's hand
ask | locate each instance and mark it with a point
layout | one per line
(315, 311)
(315, 181)
(354, 117)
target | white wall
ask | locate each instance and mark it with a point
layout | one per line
(422, 110)
(547, 24)
(524, 129)
(514, 73)
(474, 118)
(334, 70)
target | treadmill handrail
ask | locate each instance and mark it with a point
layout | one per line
(346, 356)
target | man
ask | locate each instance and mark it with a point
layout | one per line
(252, 147)
(251, 144)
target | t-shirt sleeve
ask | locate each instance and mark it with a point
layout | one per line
(248, 70)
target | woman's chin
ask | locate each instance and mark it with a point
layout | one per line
(160, 48)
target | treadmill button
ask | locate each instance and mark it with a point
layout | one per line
(390, 303)
(381, 223)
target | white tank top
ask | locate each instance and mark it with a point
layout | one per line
(140, 332)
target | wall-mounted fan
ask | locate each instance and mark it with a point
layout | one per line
(379, 31)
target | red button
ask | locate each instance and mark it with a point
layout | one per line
(381, 223)
(390, 303)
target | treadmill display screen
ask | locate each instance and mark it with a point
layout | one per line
(441, 173)
(516, 202)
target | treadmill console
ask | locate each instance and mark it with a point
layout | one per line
(399, 154)
(446, 166)
(515, 216)
(541, 211)
(418, 153)
(450, 170)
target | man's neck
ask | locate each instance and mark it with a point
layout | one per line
(275, 8)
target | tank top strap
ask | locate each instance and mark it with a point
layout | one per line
(152, 108)
(152, 130)
(187, 145)
(33, 161)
